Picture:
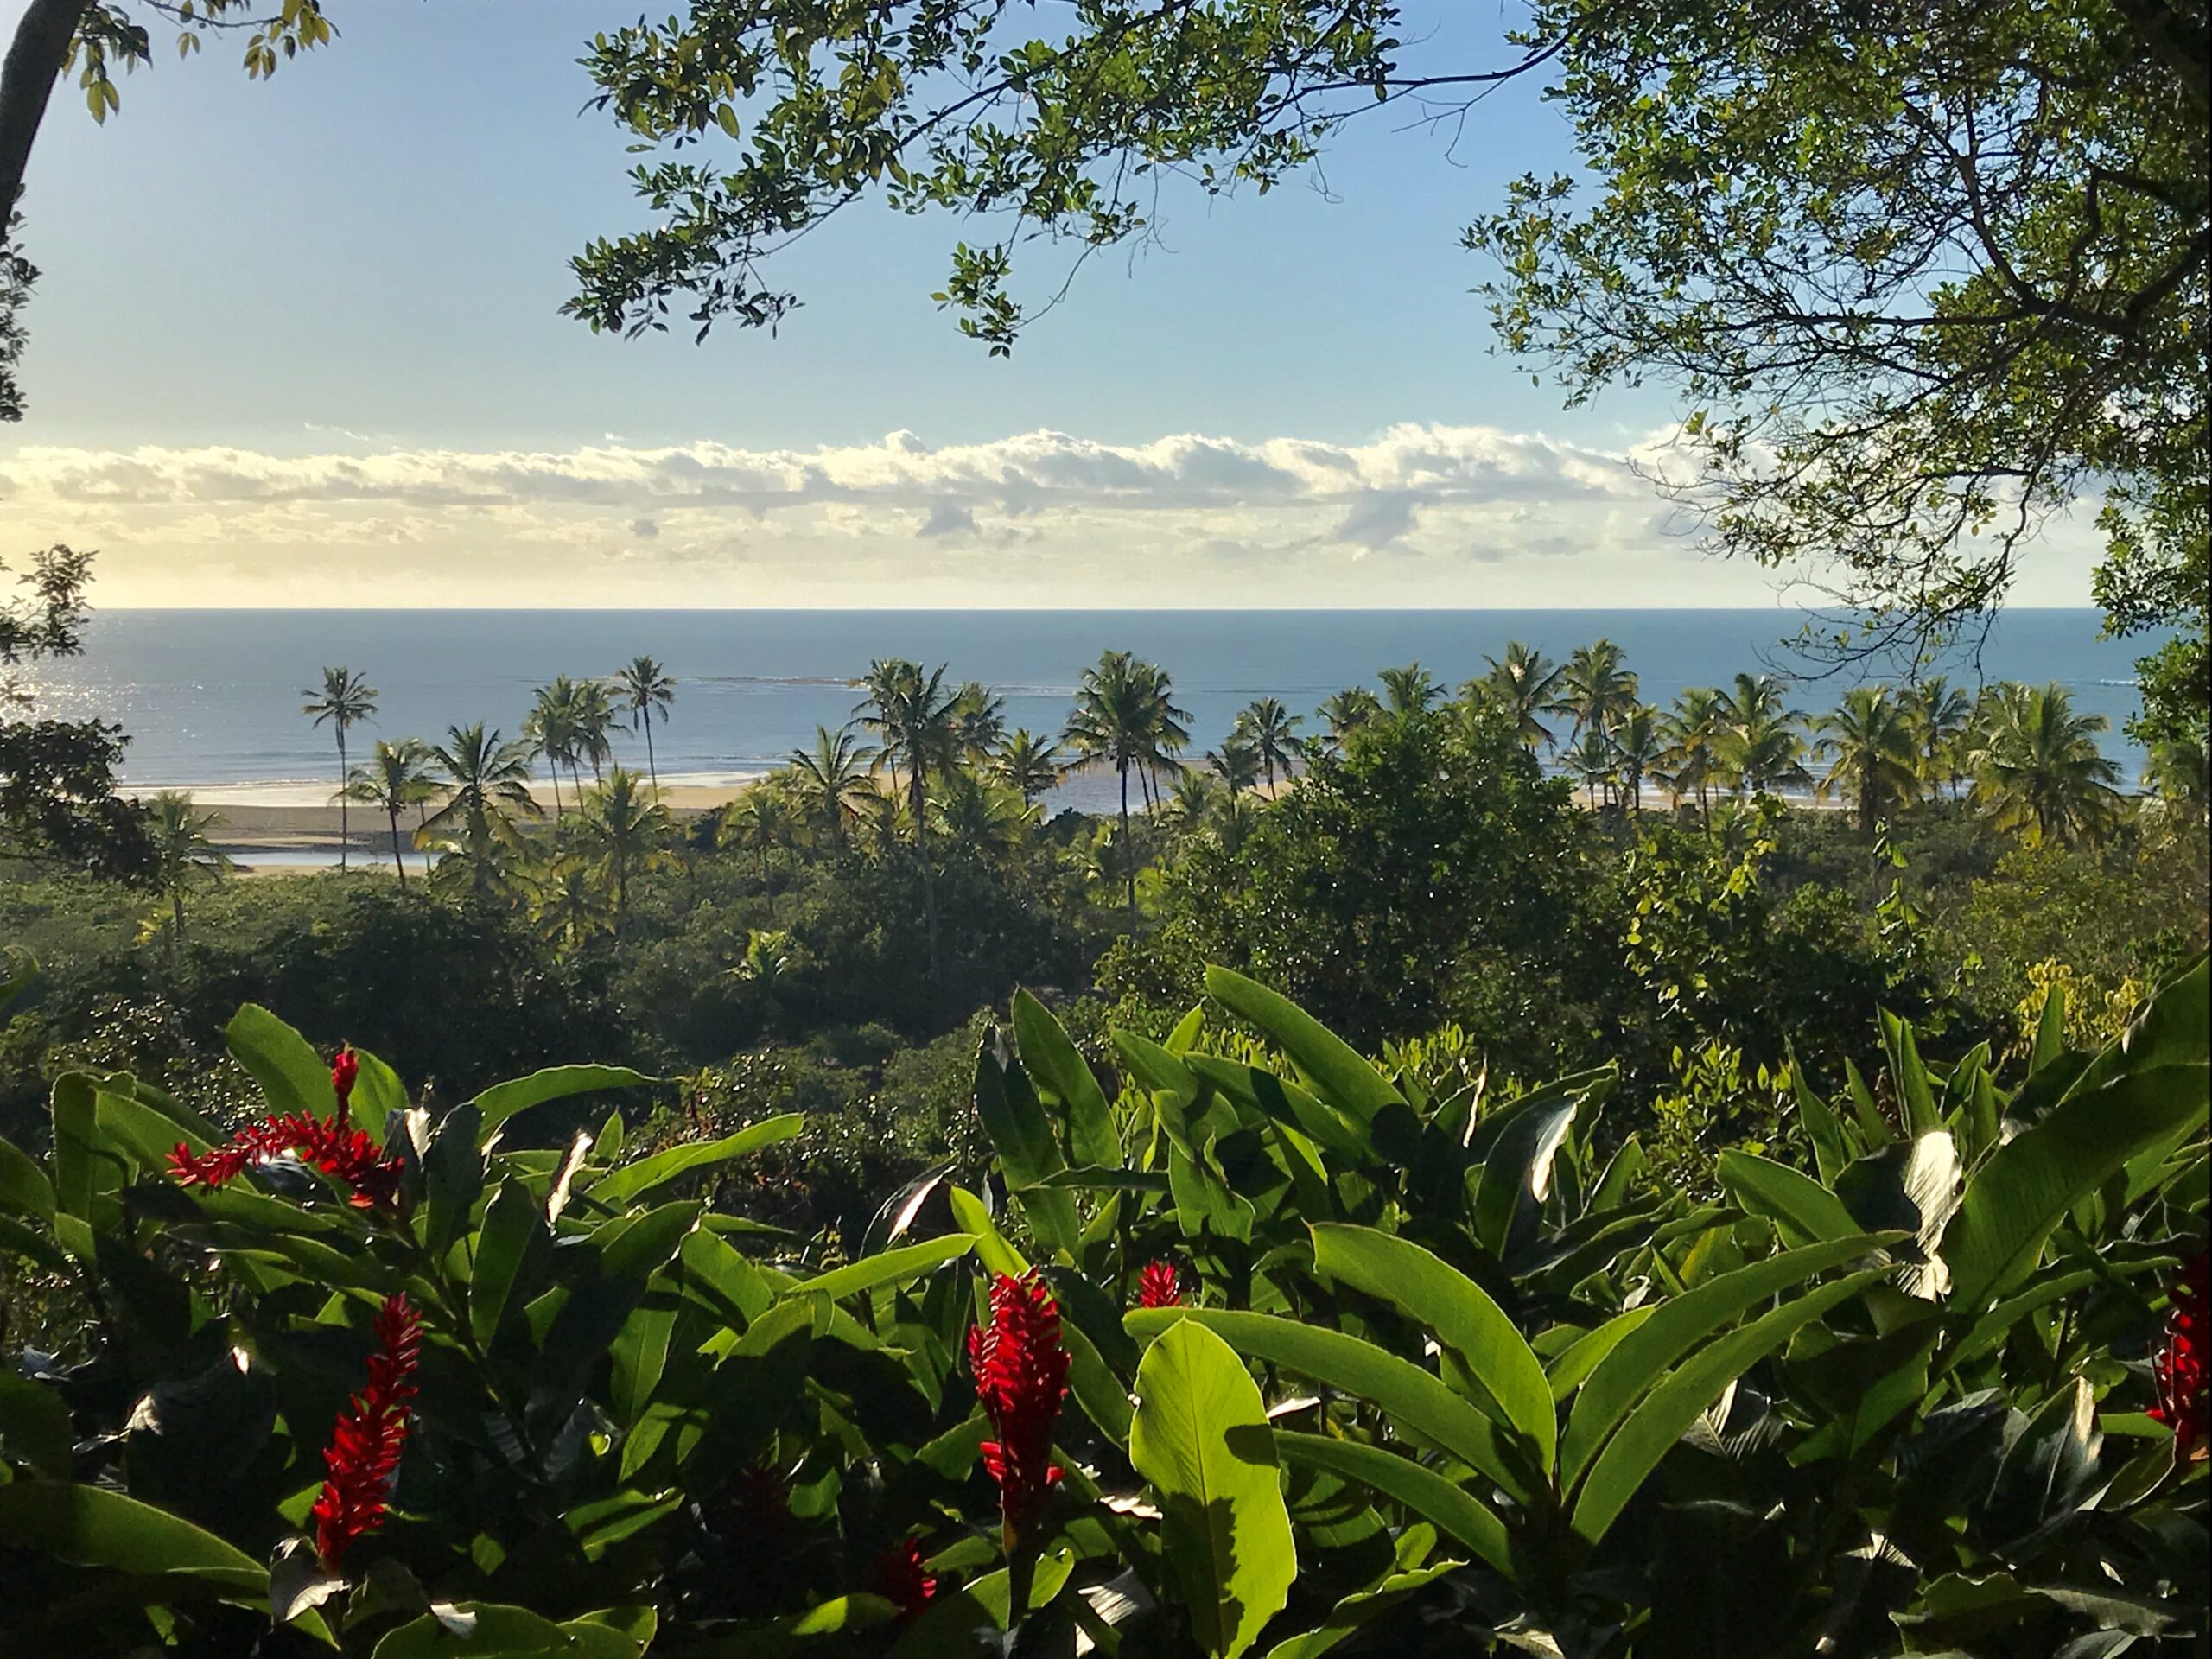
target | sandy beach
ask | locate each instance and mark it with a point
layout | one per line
(276, 820)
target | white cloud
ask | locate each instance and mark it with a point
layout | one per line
(1420, 514)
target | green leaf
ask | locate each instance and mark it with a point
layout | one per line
(488, 1631)
(1338, 1072)
(35, 1426)
(380, 1097)
(600, 1526)
(1200, 1436)
(1022, 1136)
(292, 1076)
(1459, 1313)
(453, 1177)
(1806, 1212)
(947, 1628)
(1450, 1506)
(1645, 1354)
(1645, 1439)
(640, 1181)
(1916, 1099)
(512, 1224)
(991, 1247)
(1832, 1147)
(24, 1189)
(1419, 1405)
(889, 1267)
(91, 1526)
(1581, 1357)
(2028, 1184)
(502, 1100)
(1360, 1608)
(2051, 1030)
(1063, 1078)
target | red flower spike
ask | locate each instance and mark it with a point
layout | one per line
(334, 1147)
(2180, 1368)
(344, 1068)
(1021, 1377)
(902, 1579)
(1158, 1286)
(364, 1442)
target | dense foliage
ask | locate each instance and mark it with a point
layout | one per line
(1399, 1364)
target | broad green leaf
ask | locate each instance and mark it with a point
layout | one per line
(640, 1354)
(1022, 1136)
(1645, 1439)
(502, 1100)
(453, 1177)
(35, 1426)
(2051, 1030)
(1581, 1357)
(1459, 1313)
(142, 1132)
(1916, 1100)
(91, 1525)
(1159, 1071)
(2028, 1184)
(1647, 1353)
(1200, 1436)
(1806, 1212)
(1422, 1406)
(1062, 1075)
(599, 1526)
(991, 1247)
(380, 1097)
(1832, 1147)
(292, 1076)
(512, 1224)
(489, 1630)
(1360, 1608)
(1449, 1505)
(24, 1189)
(638, 1182)
(889, 1267)
(1339, 1074)
(947, 1628)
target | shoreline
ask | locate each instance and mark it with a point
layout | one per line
(246, 826)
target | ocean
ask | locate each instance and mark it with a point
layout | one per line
(211, 699)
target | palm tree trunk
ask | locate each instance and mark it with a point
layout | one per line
(398, 863)
(344, 836)
(1128, 862)
(652, 766)
(176, 918)
(556, 770)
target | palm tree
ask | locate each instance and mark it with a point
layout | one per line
(1124, 717)
(1875, 752)
(1270, 729)
(981, 813)
(1761, 748)
(1525, 683)
(552, 729)
(2179, 772)
(396, 776)
(1592, 762)
(623, 832)
(1028, 764)
(1408, 690)
(1939, 714)
(1192, 802)
(1639, 745)
(645, 692)
(1694, 730)
(487, 785)
(2038, 768)
(594, 718)
(914, 715)
(761, 820)
(1345, 712)
(345, 701)
(1596, 688)
(834, 779)
(182, 852)
(979, 723)
(1236, 763)
(569, 903)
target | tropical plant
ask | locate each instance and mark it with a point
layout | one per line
(978, 813)
(834, 779)
(1694, 728)
(979, 723)
(645, 691)
(344, 700)
(1597, 689)
(488, 788)
(184, 854)
(1525, 683)
(1762, 747)
(1345, 712)
(1592, 764)
(553, 730)
(396, 777)
(623, 832)
(569, 901)
(1941, 715)
(1408, 690)
(1271, 731)
(763, 821)
(1873, 755)
(1639, 747)
(1125, 717)
(594, 715)
(1267, 1346)
(918, 723)
(1027, 763)
(1236, 763)
(2180, 774)
(2038, 768)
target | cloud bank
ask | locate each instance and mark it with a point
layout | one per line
(1419, 515)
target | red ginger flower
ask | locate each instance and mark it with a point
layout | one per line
(344, 1068)
(335, 1147)
(1021, 1377)
(902, 1579)
(365, 1443)
(2180, 1368)
(1158, 1286)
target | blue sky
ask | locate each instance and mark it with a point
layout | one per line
(253, 292)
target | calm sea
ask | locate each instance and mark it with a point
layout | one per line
(212, 699)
